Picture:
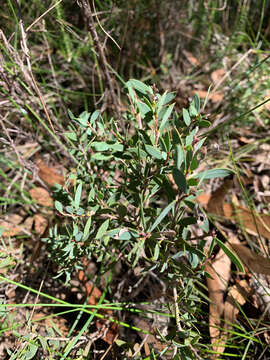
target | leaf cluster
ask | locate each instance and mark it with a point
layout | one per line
(132, 195)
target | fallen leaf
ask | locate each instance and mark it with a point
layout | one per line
(216, 203)
(213, 96)
(48, 174)
(203, 199)
(28, 224)
(191, 58)
(220, 270)
(11, 225)
(217, 75)
(110, 329)
(236, 296)
(254, 223)
(40, 224)
(254, 262)
(150, 340)
(41, 196)
(261, 294)
(245, 140)
(227, 210)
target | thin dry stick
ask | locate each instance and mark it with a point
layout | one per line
(109, 348)
(41, 16)
(11, 142)
(102, 28)
(27, 54)
(84, 4)
(176, 310)
(229, 72)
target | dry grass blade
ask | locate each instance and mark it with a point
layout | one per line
(29, 66)
(84, 4)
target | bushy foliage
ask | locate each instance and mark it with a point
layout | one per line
(132, 197)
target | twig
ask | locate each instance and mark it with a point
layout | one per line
(41, 16)
(84, 4)
(109, 36)
(229, 72)
(27, 54)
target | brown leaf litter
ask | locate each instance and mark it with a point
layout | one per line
(219, 268)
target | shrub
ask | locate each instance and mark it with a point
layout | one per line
(132, 198)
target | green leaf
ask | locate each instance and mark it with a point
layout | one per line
(143, 108)
(179, 156)
(190, 137)
(33, 348)
(192, 182)
(169, 97)
(4, 263)
(140, 86)
(196, 101)
(204, 124)
(192, 110)
(166, 117)
(94, 116)
(83, 118)
(205, 225)
(194, 163)
(91, 195)
(186, 117)
(102, 157)
(213, 173)
(199, 145)
(180, 180)
(87, 228)
(127, 235)
(162, 215)
(156, 153)
(233, 257)
(78, 194)
(103, 228)
(116, 146)
(71, 116)
(160, 102)
(71, 135)
(100, 146)
(156, 253)
(58, 206)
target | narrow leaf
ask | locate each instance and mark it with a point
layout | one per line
(58, 206)
(156, 153)
(140, 86)
(213, 173)
(231, 255)
(87, 228)
(186, 117)
(103, 228)
(166, 116)
(162, 215)
(179, 156)
(180, 180)
(197, 102)
(78, 196)
(94, 116)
